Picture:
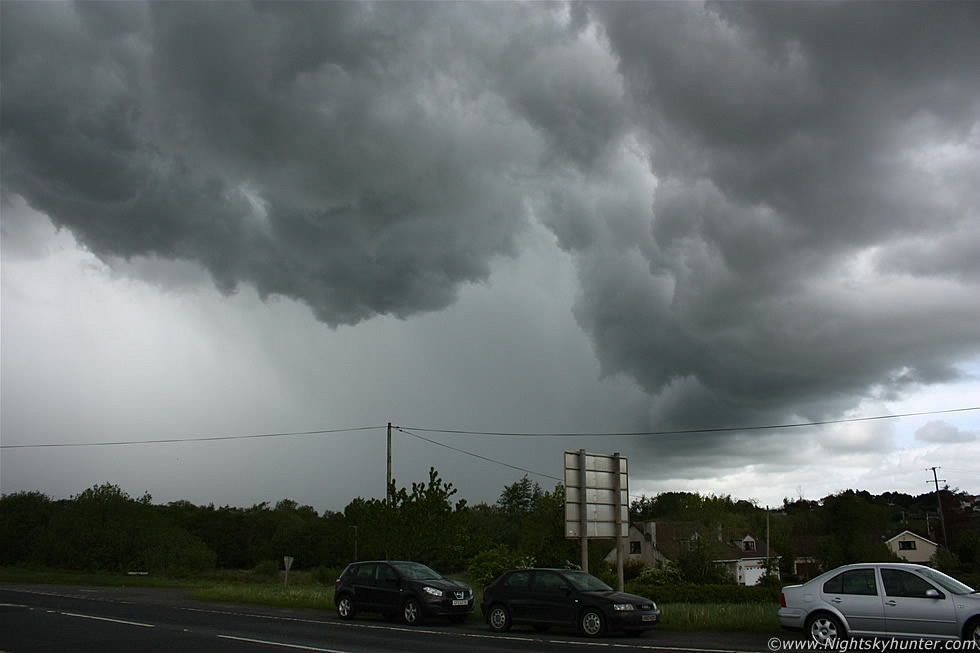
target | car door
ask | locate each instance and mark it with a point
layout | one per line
(363, 583)
(515, 590)
(387, 588)
(916, 607)
(552, 599)
(855, 594)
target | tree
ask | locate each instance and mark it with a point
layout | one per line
(852, 527)
(24, 517)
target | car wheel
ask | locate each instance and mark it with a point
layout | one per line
(592, 623)
(411, 612)
(498, 619)
(345, 607)
(972, 633)
(457, 618)
(824, 630)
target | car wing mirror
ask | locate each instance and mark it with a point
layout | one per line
(934, 594)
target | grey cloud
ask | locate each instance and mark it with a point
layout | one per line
(940, 432)
(811, 163)
(313, 150)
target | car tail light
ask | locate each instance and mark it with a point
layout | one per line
(782, 599)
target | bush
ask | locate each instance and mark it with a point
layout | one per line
(267, 570)
(690, 593)
(178, 553)
(666, 574)
(326, 575)
(487, 565)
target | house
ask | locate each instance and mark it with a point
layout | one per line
(658, 542)
(655, 543)
(746, 561)
(805, 564)
(911, 547)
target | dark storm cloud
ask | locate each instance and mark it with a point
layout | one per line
(336, 153)
(772, 207)
(813, 164)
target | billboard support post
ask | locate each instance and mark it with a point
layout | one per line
(618, 479)
(583, 511)
(596, 501)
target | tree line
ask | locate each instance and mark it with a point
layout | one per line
(105, 529)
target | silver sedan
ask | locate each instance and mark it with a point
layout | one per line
(882, 600)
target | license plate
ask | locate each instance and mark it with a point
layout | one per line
(649, 617)
(459, 602)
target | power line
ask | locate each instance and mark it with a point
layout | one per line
(476, 455)
(728, 429)
(173, 440)
(488, 433)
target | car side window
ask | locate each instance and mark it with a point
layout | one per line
(548, 580)
(518, 579)
(903, 584)
(385, 572)
(364, 572)
(855, 581)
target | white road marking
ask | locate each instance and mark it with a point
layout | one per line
(281, 644)
(116, 621)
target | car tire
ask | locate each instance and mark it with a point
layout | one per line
(412, 612)
(498, 619)
(825, 630)
(345, 607)
(972, 632)
(592, 623)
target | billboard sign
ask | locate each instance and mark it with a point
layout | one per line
(596, 495)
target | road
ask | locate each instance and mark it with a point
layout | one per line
(36, 618)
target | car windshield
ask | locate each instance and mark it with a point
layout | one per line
(416, 571)
(950, 584)
(584, 582)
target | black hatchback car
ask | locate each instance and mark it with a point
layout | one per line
(399, 589)
(562, 597)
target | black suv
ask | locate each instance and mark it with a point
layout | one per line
(395, 588)
(562, 597)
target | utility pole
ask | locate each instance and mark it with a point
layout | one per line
(388, 484)
(939, 501)
(388, 496)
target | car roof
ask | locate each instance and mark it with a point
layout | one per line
(900, 565)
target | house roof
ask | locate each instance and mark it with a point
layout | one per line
(915, 535)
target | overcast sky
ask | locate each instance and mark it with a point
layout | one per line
(231, 219)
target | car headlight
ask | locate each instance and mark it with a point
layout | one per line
(623, 607)
(432, 591)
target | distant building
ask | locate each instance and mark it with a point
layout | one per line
(747, 560)
(911, 547)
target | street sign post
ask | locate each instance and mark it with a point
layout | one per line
(597, 501)
(288, 561)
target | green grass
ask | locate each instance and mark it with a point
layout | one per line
(318, 597)
(722, 617)
(234, 586)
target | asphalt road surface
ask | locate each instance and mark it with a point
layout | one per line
(37, 618)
